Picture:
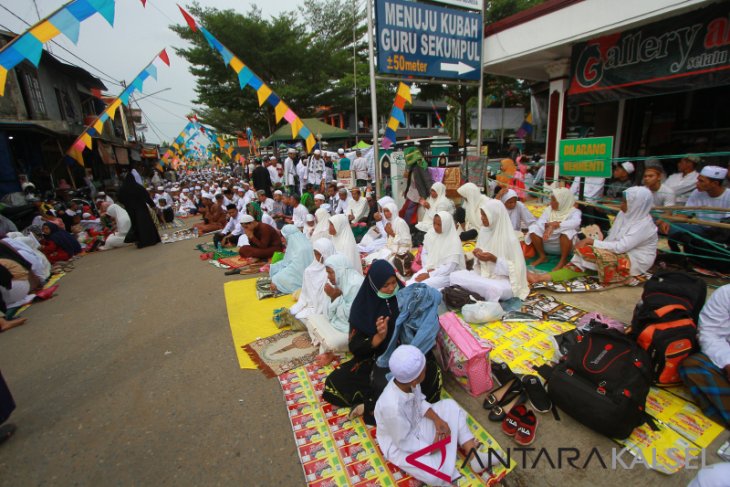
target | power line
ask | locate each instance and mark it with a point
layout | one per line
(109, 78)
(188, 106)
(165, 109)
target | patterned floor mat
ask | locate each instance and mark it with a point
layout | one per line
(335, 451)
(588, 284)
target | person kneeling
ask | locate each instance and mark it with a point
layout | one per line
(407, 423)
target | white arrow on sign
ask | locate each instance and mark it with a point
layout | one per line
(460, 67)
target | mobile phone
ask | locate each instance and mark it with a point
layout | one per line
(724, 451)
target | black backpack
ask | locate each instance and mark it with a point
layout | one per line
(455, 297)
(603, 382)
(665, 322)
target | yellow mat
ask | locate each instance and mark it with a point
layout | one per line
(250, 319)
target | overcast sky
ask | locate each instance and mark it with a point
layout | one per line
(123, 50)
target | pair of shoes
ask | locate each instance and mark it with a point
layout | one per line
(521, 423)
(502, 373)
(496, 396)
(536, 394)
(507, 403)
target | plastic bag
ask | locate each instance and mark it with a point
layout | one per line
(482, 312)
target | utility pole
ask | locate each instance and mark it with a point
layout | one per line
(354, 65)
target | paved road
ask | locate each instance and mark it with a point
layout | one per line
(129, 377)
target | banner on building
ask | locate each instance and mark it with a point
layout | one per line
(686, 52)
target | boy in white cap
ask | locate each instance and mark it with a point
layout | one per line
(289, 169)
(316, 168)
(408, 423)
(622, 180)
(344, 162)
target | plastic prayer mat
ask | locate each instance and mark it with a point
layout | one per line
(682, 426)
(589, 284)
(282, 352)
(12, 313)
(335, 451)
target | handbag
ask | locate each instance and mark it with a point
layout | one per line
(402, 263)
(463, 354)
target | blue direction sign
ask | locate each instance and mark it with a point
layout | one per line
(426, 41)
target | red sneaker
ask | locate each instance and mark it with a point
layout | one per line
(526, 429)
(512, 420)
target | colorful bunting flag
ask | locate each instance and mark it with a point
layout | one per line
(65, 20)
(525, 128)
(84, 141)
(397, 116)
(246, 77)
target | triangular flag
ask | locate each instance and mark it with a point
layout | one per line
(144, 3)
(76, 155)
(244, 76)
(386, 143)
(236, 64)
(86, 138)
(105, 8)
(310, 142)
(99, 126)
(280, 110)
(393, 123)
(45, 31)
(290, 116)
(263, 93)
(164, 57)
(189, 19)
(398, 114)
(296, 126)
(78, 145)
(152, 70)
(67, 24)
(29, 47)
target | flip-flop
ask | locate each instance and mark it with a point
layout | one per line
(538, 397)
(6, 431)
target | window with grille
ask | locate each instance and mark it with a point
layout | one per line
(34, 96)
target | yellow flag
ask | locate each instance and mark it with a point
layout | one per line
(45, 31)
(263, 93)
(236, 64)
(3, 78)
(310, 142)
(393, 123)
(280, 110)
(296, 126)
(405, 92)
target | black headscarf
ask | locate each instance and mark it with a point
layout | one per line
(63, 239)
(368, 306)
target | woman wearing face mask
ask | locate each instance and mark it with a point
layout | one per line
(442, 253)
(372, 321)
(330, 330)
(499, 270)
(312, 299)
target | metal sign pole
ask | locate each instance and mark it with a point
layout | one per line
(373, 97)
(480, 103)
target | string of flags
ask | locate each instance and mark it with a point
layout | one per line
(246, 77)
(397, 117)
(525, 128)
(66, 20)
(84, 141)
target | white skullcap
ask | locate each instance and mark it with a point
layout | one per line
(310, 218)
(319, 196)
(406, 363)
(160, 188)
(278, 191)
(317, 152)
(714, 172)
(272, 158)
(291, 149)
(185, 190)
(86, 216)
(340, 185)
(340, 151)
(628, 167)
(241, 189)
(198, 188)
(101, 193)
(246, 219)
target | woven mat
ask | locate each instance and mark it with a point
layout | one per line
(337, 452)
(524, 346)
(589, 284)
(15, 312)
(282, 352)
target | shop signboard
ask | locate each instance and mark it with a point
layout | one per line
(589, 157)
(685, 52)
(428, 41)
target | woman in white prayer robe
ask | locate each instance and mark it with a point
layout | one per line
(376, 238)
(407, 423)
(322, 227)
(442, 253)
(398, 235)
(436, 202)
(312, 299)
(499, 270)
(344, 240)
(555, 231)
(519, 215)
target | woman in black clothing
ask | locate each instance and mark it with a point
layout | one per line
(136, 200)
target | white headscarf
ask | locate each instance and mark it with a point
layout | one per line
(499, 239)
(344, 241)
(121, 218)
(473, 200)
(315, 277)
(322, 228)
(402, 240)
(445, 247)
(637, 219)
(566, 205)
(358, 208)
(439, 203)
(514, 214)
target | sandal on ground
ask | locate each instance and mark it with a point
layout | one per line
(526, 429)
(502, 373)
(512, 421)
(536, 394)
(499, 412)
(6, 431)
(356, 412)
(493, 398)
